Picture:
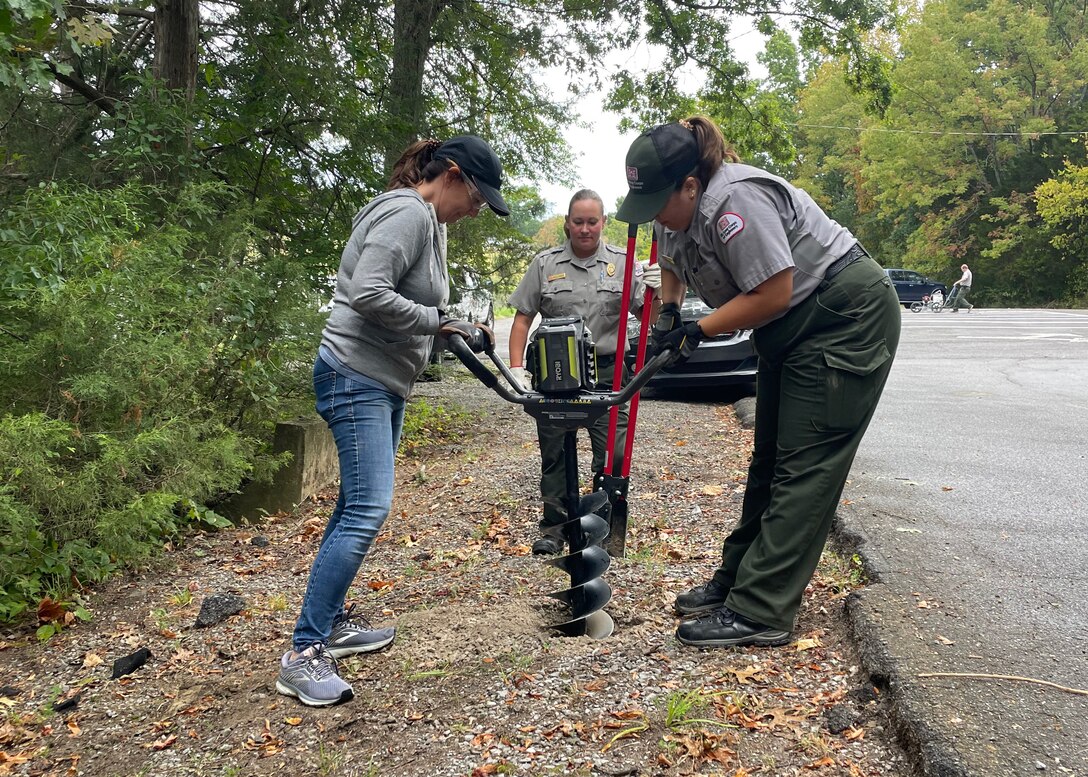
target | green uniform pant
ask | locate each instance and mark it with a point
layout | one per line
(553, 470)
(822, 368)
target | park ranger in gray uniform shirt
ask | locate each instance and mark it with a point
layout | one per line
(763, 255)
(583, 277)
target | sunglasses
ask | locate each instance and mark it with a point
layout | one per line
(478, 200)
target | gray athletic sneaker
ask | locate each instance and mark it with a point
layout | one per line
(354, 634)
(312, 678)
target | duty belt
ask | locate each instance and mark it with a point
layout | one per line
(851, 256)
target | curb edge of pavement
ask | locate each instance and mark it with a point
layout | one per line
(745, 410)
(931, 751)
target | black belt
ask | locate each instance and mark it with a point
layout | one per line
(851, 256)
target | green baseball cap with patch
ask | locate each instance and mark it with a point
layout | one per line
(658, 160)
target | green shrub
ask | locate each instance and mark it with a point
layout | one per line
(151, 340)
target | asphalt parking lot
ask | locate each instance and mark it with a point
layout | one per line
(968, 493)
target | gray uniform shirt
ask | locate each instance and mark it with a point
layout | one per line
(558, 283)
(748, 226)
(391, 282)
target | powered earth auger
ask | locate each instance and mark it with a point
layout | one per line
(565, 394)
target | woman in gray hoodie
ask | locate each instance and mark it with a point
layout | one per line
(391, 289)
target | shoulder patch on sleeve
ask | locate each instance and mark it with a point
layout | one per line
(729, 226)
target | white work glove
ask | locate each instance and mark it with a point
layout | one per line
(522, 377)
(651, 276)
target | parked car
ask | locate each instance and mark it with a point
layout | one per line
(469, 300)
(911, 286)
(726, 360)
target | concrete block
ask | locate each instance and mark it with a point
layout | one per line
(314, 465)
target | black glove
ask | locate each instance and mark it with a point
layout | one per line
(668, 319)
(477, 336)
(684, 341)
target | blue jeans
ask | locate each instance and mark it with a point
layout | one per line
(366, 422)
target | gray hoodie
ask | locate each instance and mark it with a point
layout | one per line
(391, 283)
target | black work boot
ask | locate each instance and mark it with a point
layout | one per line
(547, 546)
(701, 598)
(725, 628)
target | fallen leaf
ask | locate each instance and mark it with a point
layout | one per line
(165, 742)
(713, 490)
(380, 585)
(782, 718)
(73, 729)
(481, 740)
(292, 721)
(50, 611)
(7, 761)
(91, 660)
(743, 676)
(946, 488)
(806, 644)
(820, 764)
(854, 733)
(945, 640)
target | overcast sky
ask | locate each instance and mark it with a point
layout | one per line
(601, 149)
(600, 152)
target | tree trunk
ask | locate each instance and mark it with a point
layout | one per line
(412, 23)
(177, 34)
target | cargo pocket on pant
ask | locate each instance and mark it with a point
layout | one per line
(850, 388)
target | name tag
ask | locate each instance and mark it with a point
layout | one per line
(557, 277)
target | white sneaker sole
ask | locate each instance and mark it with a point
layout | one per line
(287, 690)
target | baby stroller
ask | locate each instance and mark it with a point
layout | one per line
(934, 301)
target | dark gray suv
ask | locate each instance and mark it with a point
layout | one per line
(911, 286)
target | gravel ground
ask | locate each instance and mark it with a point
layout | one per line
(476, 683)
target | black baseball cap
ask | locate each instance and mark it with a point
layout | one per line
(479, 162)
(658, 160)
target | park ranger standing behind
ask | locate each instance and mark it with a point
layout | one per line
(763, 255)
(583, 277)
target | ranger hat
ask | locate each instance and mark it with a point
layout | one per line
(657, 160)
(480, 163)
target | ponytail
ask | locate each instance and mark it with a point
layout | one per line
(417, 164)
(713, 149)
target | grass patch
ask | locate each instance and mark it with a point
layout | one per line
(841, 573)
(427, 425)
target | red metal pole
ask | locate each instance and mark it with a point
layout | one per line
(640, 360)
(621, 347)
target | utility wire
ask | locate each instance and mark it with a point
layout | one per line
(1020, 134)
